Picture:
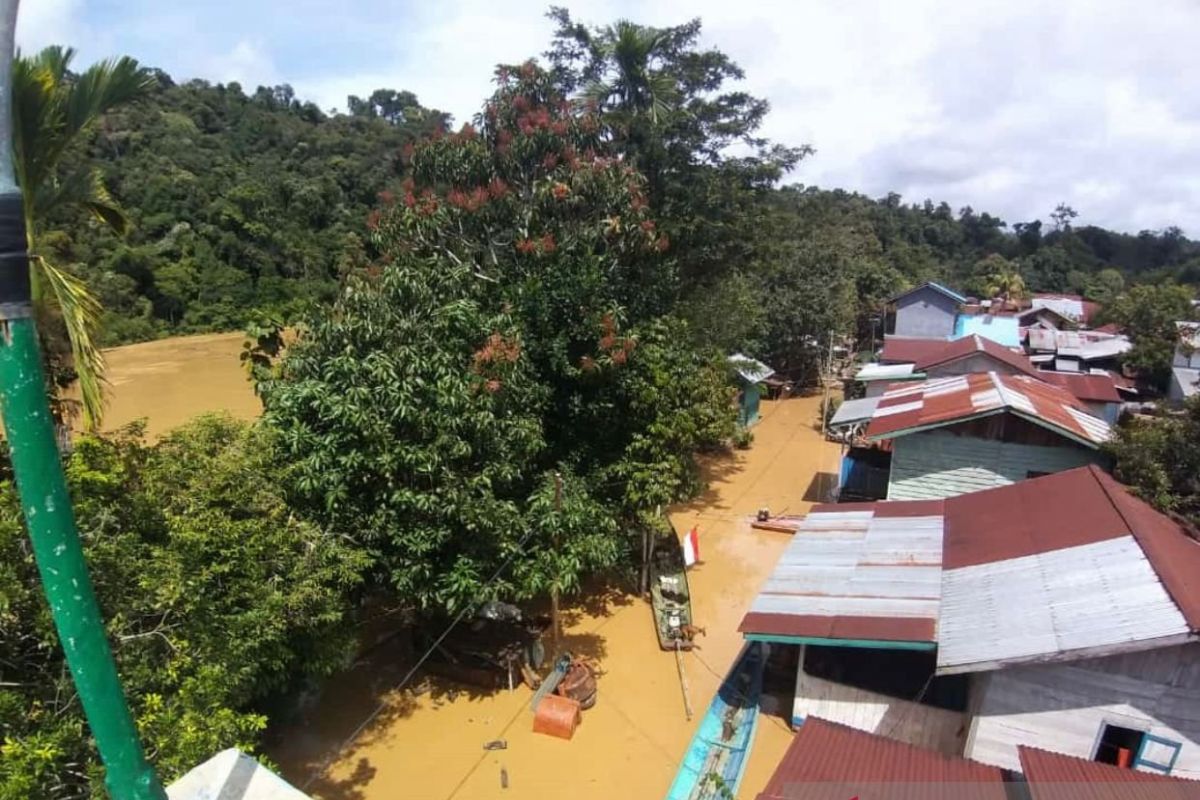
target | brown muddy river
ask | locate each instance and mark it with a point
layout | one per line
(430, 746)
(169, 381)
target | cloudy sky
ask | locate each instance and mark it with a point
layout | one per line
(1010, 106)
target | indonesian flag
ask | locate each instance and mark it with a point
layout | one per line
(691, 547)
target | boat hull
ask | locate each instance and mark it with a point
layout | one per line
(716, 759)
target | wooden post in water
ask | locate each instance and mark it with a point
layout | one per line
(683, 684)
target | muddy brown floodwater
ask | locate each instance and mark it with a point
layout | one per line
(430, 746)
(169, 381)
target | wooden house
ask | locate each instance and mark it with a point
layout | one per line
(965, 433)
(751, 374)
(1059, 613)
(927, 311)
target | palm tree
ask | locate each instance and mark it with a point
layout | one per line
(635, 88)
(1007, 285)
(52, 109)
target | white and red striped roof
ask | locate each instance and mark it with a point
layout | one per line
(909, 408)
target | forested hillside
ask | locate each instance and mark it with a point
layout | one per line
(236, 201)
(259, 201)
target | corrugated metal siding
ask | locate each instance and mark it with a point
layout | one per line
(1091, 596)
(937, 464)
(1053, 776)
(902, 720)
(1061, 707)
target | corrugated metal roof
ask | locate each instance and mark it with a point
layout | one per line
(855, 574)
(1053, 776)
(751, 370)
(1066, 603)
(1097, 388)
(909, 349)
(1188, 379)
(828, 761)
(974, 344)
(887, 372)
(1058, 567)
(852, 412)
(934, 403)
(1002, 329)
(937, 287)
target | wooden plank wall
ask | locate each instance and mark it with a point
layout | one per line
(924, 726)
(938, 464)
(1062, 707)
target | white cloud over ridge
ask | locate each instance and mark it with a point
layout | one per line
(1010, 106)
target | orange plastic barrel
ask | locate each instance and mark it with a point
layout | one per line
(557, 716)
(1124, 756)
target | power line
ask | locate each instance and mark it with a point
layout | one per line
(324, 766)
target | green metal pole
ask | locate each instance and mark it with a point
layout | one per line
(43, 490)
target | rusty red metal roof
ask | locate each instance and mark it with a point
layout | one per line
(912, 407)
(1053, 776)
(1097, 388)
(1084, 564)
(908, 349)
(1066, 509)
(828, 761)
(975, 344)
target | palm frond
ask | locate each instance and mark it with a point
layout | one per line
(81, 315)
(83, 188)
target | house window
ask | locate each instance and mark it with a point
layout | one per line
(903, 674)
(1118, 745)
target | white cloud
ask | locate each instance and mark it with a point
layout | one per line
(1010, 106)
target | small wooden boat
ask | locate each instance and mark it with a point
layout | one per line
(714, 763)
(670, 598)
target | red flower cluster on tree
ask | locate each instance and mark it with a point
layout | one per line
(471, 201)
(467, 132)
(492, 386)
(559, 127)
(497, 188)
(662, 244)
(526, 246)
(496, 350)
(503, 141)
(373, 219)
(427, 204)
(535, 120)
(387, 197)
(548, 244)
(587, 363)
(648, 225)
(560, 191)
(550, 161)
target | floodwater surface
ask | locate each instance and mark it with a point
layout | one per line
(169, 381)
(430, 745)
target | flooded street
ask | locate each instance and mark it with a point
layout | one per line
(431, 746)
(169, 381)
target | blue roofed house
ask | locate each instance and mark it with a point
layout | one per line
(1002, 329)
(750, 375)
(928, 311)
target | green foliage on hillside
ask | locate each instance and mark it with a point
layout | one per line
(236, 202)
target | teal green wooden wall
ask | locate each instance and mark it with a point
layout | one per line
(748, 410)
(939, 464)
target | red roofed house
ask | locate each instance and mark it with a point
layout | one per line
(1060, 613)
(828, 761)
(960, 434)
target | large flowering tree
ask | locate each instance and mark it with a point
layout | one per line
(513, 327)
